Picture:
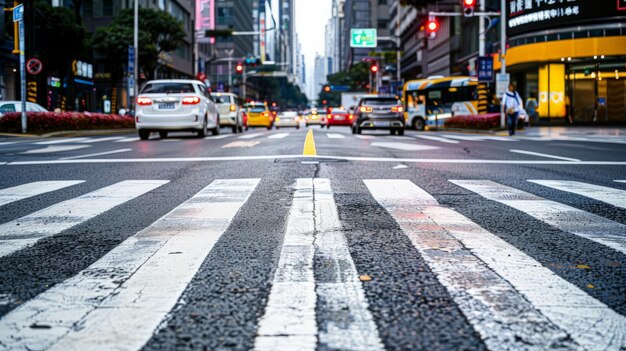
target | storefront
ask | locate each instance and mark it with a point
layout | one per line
(571, 55)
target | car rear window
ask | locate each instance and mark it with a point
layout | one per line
(289, 115)
(338, 110)
(380, 102)
(257, 109)
(223, 99)
(167, 88)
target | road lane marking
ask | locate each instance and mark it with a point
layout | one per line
(335, 136)
(55, 148)
(464, 137)
(8, 143)
(60, 141)
(401, 167)
(290, 320)
(24, 191)
(611, 196)
(619, 181)
(568, 219)
(511, 300)
(26, 231)
(436, 138)
(241, 144)
(544, 155)
(98, 140)
(309, 144)
(127, 140)
(217, 137)
(364, 137)
(118, 302)
(250, 136)
(499, 138)
(97, 154)
(403, 146)
(278, 136)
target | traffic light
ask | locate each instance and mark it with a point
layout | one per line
(327, 88)
(468, 7)
(239, 68)
(432, 26)
(374, 68)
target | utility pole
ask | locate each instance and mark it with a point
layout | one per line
(230, 52)
(502, 50)
(136, 48)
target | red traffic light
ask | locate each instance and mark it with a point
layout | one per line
(239, 68)
(469, 3)
(432, 26)
(374, 68)
(468, 7)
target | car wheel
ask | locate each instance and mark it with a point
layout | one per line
(144, 134)
(400, 131)
(328, 126)
(163, 134)
(216, 130)
(392, 131)
(203, 132)
(358, 130)
(270, 128)
(235, 130)
(297, 127)
(418, 124)
(240, 129)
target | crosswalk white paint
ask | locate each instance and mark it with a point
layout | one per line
(24, 191)
(61, 141)
(97, 154)
(25, 231)
(544, 155)
(119, 301)
(364, 137)
(463, 137)
(127, 140)
(436, 138)
(289, 322)
(8, 143)
(221, 136)
(335, 136)
(99, 140)
(56, 148)
(510, 299)
(615, 197)
(278, 136)
(569, 219)
(403, 146)
(619, 181)
(250, 136)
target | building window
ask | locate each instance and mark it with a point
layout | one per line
(225, 16)
(382, 2)
(383, 24)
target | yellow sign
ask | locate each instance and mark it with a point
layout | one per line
(552, 91)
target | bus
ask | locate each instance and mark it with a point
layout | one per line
(429, 102)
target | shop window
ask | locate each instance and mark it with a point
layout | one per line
(107, 8)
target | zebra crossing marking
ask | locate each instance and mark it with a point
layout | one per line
(127, 140)
(99, 140)
(55, 148)
(532, 153)
(569, 219)
(335, 136)
(250, 136)
(512, 301)
(619, 181)
(217, 137)
(364, 137)
(26, 231)
(611, 196)
(436, 138)
(97, 154)
(278, 136)
(289, 322)
(403, 146)
(464, 137)
(24, 191)
(119, 301)
(61, 141)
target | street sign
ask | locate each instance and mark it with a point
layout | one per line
(18, 13)
(502, 83)
(485, 69)
(131, 60)
(34, 66)
(339, 87)
(363, 38)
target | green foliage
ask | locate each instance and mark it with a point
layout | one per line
(158, 32)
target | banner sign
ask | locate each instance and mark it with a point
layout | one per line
(485, 69)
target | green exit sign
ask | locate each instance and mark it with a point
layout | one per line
(363, 38)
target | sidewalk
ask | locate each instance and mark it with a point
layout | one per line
(571, 131)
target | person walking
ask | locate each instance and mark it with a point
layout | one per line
(512, 104)
(531, 109)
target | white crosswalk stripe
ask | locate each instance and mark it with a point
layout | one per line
(55, 148)
(560, 216)
(611, 196)
(250, 136)
(61, 141)
(278, 136)
(119, 301)
(436, 138)
(23, 232)
(464, 137)
(364, 137)
(619, 181)
(403, 146)
(217, 137)
(25, 191)
(513, 302)
(99, 140)
(289, 321)
(335, 136)
(127, 140)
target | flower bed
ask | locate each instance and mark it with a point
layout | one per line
(486, 121)
(52, 121)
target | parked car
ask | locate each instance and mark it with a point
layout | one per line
(259, 115)
(338, 116)
(175, 105)
(16, 106)
(287, 119)
(229, 106)
(379, 112)
(315, 118)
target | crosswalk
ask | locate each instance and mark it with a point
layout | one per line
(318, 297)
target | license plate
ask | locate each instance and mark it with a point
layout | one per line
(381, 124)
(340, 118)
(167, 106)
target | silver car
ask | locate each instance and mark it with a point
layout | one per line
(175, 105)
(229, 106)
(16, 106)
(287, 119)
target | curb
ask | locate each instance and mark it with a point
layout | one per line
(475, 131)
(88, 132)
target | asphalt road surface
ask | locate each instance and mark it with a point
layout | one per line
(297, 240)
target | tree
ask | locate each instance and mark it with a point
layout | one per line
(158, 32)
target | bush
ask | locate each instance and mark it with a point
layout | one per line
(486, 121)
(52, 121)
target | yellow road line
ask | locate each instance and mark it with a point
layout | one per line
(309, 144)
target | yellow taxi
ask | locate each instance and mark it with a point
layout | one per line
(259, 115)
(315, 118)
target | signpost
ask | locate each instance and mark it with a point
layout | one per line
(485, 69)
(363, 38)
(502, 83)
(18, 16)
(34, 66)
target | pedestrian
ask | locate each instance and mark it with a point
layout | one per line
(512, 104)
(531, 108)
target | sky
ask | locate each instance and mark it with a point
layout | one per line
(311, 19)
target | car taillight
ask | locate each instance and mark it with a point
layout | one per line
(366, 109)
(397, 109)
(329, 116)
(144, 101)
(191, 100)
(233, 108)
(350, 117)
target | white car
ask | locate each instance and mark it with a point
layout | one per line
(175, 105)
(16, 106)
(287, 119)
(229, 106)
